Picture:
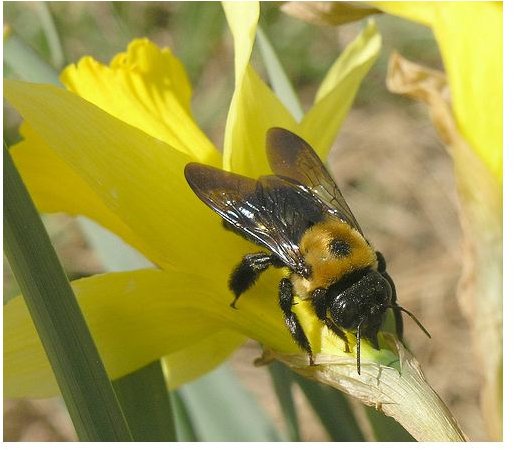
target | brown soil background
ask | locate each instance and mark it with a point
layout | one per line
(398, 179)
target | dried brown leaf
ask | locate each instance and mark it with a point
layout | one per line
(480, 289)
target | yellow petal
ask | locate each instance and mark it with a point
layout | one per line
(254, 107)
(145, 87)
(54, 187)
(469, 35)
(242, 18)
(218, 346)
(134, 317)
(138, 317)
(139, 178)
(334, 98)
(254, 110)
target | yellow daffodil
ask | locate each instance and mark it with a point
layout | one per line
(113, 147)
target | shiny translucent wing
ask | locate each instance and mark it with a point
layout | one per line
(294, 159)
(271, 211)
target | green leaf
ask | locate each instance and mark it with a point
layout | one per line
(282, 378)
(333, 409)
(26, 63)
(47, 24)
(197, 33)
(385, 428)
(82, 379)
(278, 78)
(183, 422)
(223, 410)
(144, 399)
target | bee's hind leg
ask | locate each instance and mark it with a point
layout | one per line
(286, 297)
(248, 270)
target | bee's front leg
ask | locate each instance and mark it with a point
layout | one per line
(286, 298)
(248, 270)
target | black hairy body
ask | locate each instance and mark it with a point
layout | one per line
(300, 217)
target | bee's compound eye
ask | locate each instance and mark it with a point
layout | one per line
(339, 248)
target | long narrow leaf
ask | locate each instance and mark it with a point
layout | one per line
(278, 78)
(333, 410)
(144, 399)
(85, 386)
(50, 31)
(282, 378)
(26, 63)
(183, 421)
(385, 428)
(222, 410)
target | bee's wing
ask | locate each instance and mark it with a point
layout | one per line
(270, 211)
(291, 157)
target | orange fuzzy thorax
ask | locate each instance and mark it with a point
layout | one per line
(326, 267)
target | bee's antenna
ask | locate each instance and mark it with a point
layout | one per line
(359, 346)
(412, 316)
(359, 349)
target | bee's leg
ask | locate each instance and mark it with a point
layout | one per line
(381, 262)
(248, 270)
(320, 307)
(397, 313)
(398, 319)
(340, 333)
(358, 337)
(286, 297)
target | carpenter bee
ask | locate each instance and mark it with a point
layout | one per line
(301, 218)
